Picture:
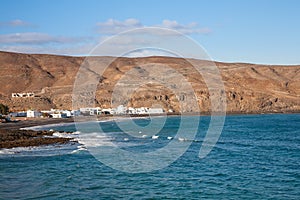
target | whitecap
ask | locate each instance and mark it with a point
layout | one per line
(155, 137)
(79, 148)
(6, 151)
(44, 150)
(95, 140)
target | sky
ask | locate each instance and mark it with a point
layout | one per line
(252, 31)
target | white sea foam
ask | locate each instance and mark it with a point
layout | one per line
(95, 140)
(65, 135)
(181, 139)
(155, 137)
(79, 149)
(44, 150)
(6, 151)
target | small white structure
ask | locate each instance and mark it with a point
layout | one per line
(22, 95)
(155, 111)
(131, 110)
(18, 114)
(141, 110)
(58, 115)
(67, 112)
(91, 111)
(33, 113)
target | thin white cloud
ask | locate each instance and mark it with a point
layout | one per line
(124, 40)
(75, 50)
(35, 38)
(128, 44)
(112, 26)
(15, 23)
(190, 28)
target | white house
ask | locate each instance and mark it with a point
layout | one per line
(58, 115)
(155, 111)
(142, 110)
(67, 112)
(33, 113)
(91, 111)
(18, 114)
(131, 110)
(22, 95)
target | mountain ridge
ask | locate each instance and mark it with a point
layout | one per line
(250, 88)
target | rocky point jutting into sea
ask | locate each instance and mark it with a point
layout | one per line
(250, 88)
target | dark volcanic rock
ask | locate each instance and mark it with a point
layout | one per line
(26, 138)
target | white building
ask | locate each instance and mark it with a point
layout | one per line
(155, 111)
(33, 113)
(141, 110)
(131, 110)
(68, 113)
(59, 115)
(18, 114)
(22, 95)
(91, 111)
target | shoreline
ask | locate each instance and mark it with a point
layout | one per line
(25, 124)
(13, 134)
(33, 122)
(22, 133)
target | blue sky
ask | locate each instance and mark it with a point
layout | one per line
(256, 31)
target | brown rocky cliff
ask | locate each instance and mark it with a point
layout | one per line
(249, 88)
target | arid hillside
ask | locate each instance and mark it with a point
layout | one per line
(249, 88)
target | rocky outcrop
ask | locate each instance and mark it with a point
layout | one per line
(249, 88)
(25, 138)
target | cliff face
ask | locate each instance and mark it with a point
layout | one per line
(249, 88)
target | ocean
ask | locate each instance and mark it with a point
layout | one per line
(256, 157)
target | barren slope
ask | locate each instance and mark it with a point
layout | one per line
(249, 88)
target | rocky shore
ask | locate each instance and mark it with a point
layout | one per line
(11, 135)
(25, 138)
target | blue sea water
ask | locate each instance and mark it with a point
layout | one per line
(256, 157)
